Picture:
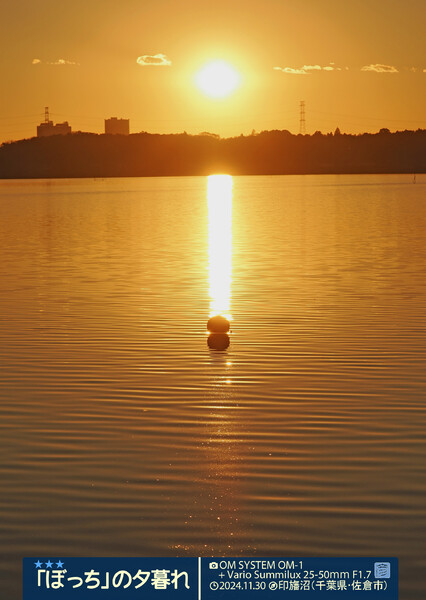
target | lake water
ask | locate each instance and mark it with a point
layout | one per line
(123, 433)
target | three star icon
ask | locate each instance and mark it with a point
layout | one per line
(49, 564)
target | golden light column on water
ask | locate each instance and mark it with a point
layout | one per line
(219, 200)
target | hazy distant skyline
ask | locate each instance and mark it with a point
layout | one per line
(358, 66)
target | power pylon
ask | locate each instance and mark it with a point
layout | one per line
(302, 127)
(46, 114)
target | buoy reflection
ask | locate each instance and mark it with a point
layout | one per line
(218, 341)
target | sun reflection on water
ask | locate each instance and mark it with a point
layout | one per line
(219, 199)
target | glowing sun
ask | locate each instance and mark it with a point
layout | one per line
(217, 79)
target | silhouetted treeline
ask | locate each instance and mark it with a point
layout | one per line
(266, 153)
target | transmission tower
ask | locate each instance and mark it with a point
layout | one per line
(302, 127)
(46, 114)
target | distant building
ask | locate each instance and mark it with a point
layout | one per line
(48, 128)
(117, 126)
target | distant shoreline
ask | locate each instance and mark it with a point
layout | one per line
(86, 155)
(89, 177)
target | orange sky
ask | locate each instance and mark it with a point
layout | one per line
(360, 66)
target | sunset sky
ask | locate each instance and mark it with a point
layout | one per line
(358, 65)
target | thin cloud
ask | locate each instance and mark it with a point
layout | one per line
(311, 68)
(62, 61)
(330, 67)
(157, 60)
(380, 68)
(291, 71)
(307, 69)
(59, 62)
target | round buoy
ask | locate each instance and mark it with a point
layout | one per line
(218, 324)
(218, 341)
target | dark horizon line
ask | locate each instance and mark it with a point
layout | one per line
(254, 133)
(274, 152)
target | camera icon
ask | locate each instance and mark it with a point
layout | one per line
(213, 565)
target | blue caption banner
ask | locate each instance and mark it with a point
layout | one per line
(65, 578)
